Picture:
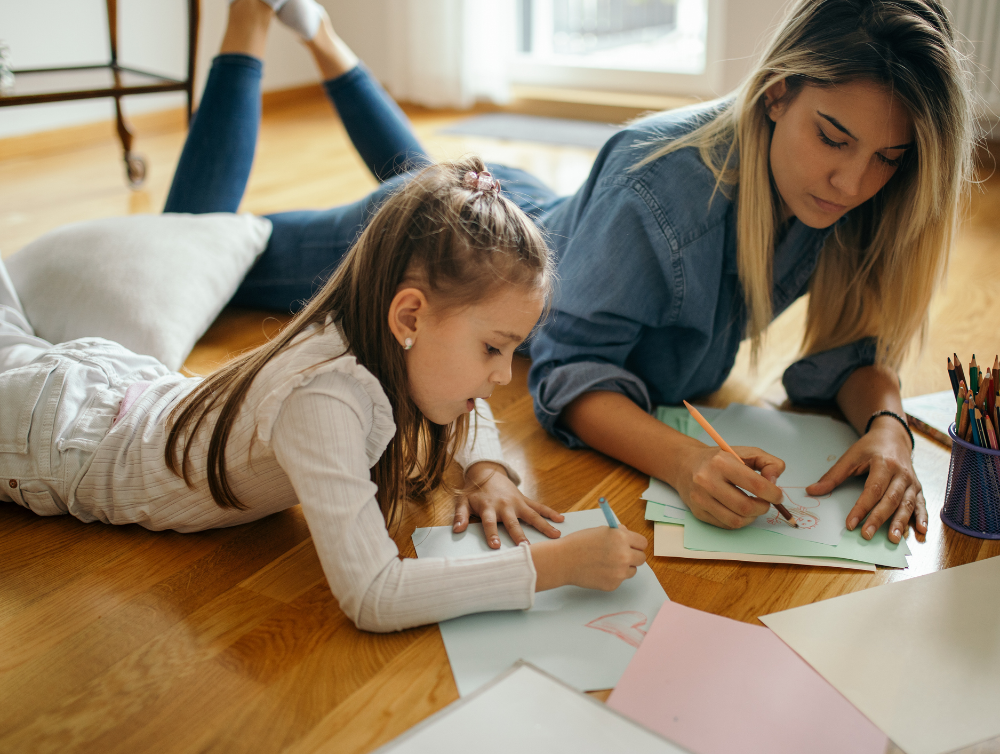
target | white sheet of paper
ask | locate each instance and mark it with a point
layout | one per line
(581, 636)
(920, 658)
(528, 712)
(664, 494)
(809, 446)
(668, 542)
(934, 409)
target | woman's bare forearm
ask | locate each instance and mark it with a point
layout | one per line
(614, 425)
(870, 389)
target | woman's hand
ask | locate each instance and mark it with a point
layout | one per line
(892, 489)
(712, 481)
(598, 558)
(493, 497)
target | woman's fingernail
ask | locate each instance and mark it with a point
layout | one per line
(869, 532)
(494, 540)
(853, 522)
(896, 533)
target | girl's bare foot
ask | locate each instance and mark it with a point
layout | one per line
(333, 57)
(246, 32)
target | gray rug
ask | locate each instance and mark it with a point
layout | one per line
(575, 133)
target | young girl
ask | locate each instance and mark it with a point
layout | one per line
(365, 397)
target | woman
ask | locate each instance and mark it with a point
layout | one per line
(837, 169)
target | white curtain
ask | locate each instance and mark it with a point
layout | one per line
(450, 53)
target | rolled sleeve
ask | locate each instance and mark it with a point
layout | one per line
(564, 384)
(816, 379)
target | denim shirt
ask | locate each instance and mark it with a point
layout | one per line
(648, 302)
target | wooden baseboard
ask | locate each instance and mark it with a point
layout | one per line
(298, 95)
(88, 134)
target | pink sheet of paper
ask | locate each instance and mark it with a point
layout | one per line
(718, 686)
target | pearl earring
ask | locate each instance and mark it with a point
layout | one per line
(408, 344)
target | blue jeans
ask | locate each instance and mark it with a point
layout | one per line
(305, 246)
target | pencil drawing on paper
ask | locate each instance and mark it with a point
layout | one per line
(627, 626)
(806, 513)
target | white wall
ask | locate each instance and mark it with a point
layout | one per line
(747, 26)
(153, 35)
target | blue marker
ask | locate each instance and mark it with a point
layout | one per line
(607, 513)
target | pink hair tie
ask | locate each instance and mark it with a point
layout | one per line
(483, 181)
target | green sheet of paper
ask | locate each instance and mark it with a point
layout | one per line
(663, 513)
(702, 536)
(679, 418)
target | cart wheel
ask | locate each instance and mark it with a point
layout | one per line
(135, 170)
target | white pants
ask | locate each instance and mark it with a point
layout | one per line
(57, 402)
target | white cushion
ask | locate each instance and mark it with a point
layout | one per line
(153, 283)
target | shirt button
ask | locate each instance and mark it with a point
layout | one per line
(12, 483)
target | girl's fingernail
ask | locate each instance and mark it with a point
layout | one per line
(495, 540)
(853, 522)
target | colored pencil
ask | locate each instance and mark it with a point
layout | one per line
(974, 375)
(952, 376)
(725, 446)
(990, 434)
(608, 515)
(984, 387)
(962, 422)
(959, 371)
(960, 401)
(981, 430)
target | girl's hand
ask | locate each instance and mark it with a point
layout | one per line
(892, 489)
(712, 479)
(493, 497)
(598, 558)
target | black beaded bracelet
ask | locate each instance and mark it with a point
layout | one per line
(897, 417)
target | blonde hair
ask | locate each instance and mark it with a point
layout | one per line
(438, 232)
(878, 270)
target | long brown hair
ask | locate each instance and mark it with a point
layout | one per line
(879, 269)
(458, 245)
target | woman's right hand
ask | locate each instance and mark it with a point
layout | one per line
(711, 482)
(597, 558)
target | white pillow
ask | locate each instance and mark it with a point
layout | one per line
(153, 283)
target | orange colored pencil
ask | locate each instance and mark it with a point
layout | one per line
(725, 446)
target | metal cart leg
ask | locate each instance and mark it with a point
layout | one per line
(135, 166)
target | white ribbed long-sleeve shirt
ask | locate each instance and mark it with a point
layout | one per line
(310, 430)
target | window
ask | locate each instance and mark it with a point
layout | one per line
(633, 45)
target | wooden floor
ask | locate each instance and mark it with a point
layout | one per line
(116, 639)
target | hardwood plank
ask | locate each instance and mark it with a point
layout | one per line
(413, 686)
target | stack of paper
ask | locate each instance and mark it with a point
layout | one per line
(584, 637)
(809, 445)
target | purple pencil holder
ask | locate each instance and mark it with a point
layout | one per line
(972, 499)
